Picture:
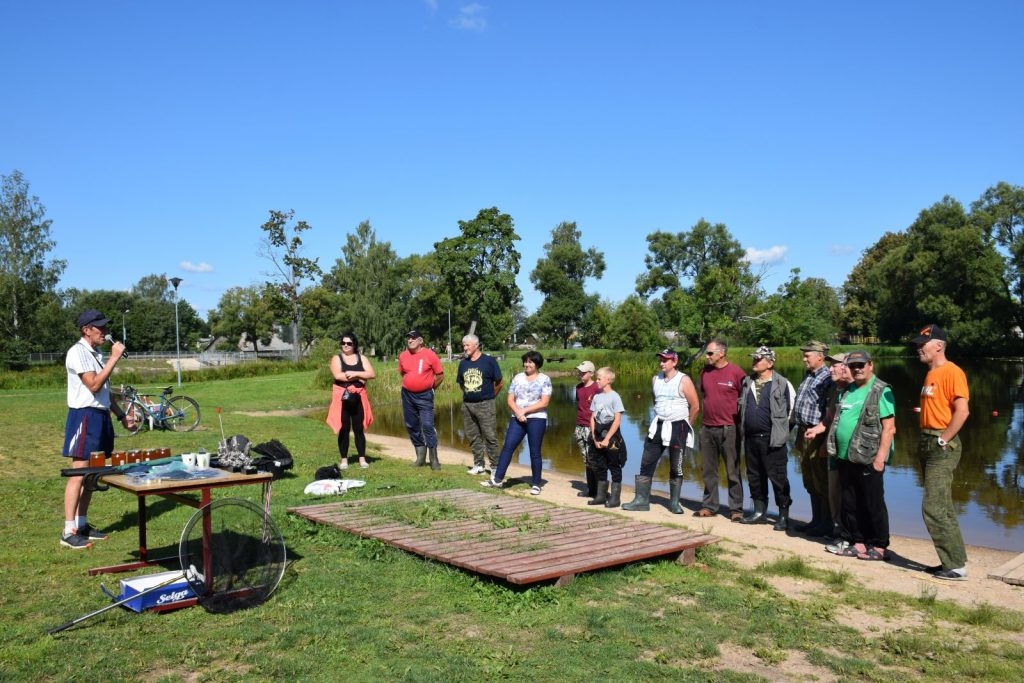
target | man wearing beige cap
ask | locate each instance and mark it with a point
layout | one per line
(809, 411)
(841, 379)
(586, 390)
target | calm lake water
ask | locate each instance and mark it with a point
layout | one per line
(989, 490)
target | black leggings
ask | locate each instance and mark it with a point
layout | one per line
(352, 417)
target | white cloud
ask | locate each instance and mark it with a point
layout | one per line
(201, 267)
(471, 18)
(766, 256)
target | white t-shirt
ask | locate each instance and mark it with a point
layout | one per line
(528, 392)
(83, 358)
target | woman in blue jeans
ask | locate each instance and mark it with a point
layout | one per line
(528, 398)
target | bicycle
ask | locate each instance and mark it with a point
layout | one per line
(178, 414)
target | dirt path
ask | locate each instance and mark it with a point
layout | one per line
(752, 544)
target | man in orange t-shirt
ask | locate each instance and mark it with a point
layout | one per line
(944, 410)
(421, 373)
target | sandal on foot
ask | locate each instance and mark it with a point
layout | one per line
(872, 554)
(848, 551)
(704, 512)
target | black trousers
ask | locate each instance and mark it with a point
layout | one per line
(865, 516)
(766, 464)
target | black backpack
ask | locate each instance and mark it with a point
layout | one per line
(271, 456)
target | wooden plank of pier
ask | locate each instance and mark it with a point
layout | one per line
(1010, 572)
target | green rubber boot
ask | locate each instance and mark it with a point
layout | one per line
(642, 498)
(674, 487)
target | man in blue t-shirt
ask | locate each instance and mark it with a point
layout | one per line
(480, 379)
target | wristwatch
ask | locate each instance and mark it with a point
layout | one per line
(942, 442)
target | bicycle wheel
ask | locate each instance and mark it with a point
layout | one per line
(182, 414)
(139, 414)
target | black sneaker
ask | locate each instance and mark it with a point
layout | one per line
(91, 533)
(75, 541)
(950, 575)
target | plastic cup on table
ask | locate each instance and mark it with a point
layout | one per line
(189, 460)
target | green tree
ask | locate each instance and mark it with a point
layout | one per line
(560, 276)
(863, 287)
(479, 269)
(28, 276)
(946, 270)
(149, 322)
(633, 327)
(799, 311)
(705, 282)
(369, 277)
(246, 314)
(428, 299)
(283, 248)
(999, 212)
(155, 287)
(595, 325)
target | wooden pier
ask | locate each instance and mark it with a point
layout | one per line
(517, 540)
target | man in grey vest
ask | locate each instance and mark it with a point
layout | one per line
(861, 437)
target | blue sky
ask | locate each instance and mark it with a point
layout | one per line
(158, 135)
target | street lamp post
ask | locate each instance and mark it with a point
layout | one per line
(124, 329)
(177, 336)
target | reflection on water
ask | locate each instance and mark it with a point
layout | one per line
(989, 490)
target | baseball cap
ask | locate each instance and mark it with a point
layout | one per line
(92, 317)
(585, 366)
(413, 334)
(667, 353)
(858, 357)
(837, 357)
(814, 345)
(933, 331)
(763, 352)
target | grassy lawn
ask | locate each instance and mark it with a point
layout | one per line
(355, 609)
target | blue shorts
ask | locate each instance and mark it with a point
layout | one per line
(88, 430)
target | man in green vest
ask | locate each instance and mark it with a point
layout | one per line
(861, 437)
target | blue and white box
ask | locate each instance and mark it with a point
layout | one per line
(165, 597)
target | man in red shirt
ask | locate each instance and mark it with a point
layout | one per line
(421, 373)
(720, 383)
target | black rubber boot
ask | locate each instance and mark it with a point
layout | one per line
(757, 516)
(642, 499)
(825, 525)
(602, 494)
(613, 497)
(421, 456)
(591, 485)
(782, 524)
(435, 464)
(674, 487)
(810, 527)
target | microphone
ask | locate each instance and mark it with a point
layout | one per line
(111, 340)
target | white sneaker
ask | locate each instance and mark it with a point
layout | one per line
(837, 547)
(476, 469)
(491, 484)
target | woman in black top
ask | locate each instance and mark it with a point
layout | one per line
(351, 370)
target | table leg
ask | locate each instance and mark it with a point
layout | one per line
(143, 551)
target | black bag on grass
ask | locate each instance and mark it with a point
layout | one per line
(327, 472)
